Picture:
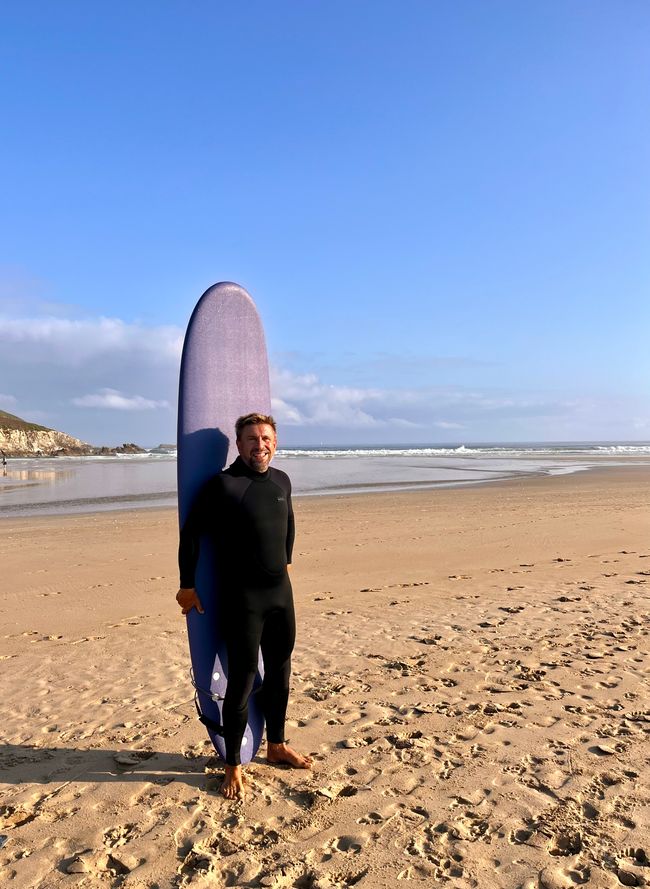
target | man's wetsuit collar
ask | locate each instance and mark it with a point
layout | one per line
(240, 468)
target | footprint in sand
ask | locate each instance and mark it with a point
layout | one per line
(606, 749)
(406, 584)
(129, 759)
(336, 790)
(560, 878)
(414, 872)
(119, 836)
(100, 866)
(565, 843)
(421, 847)
(15, 816)
(371, 818)
(197, 864)
(448, 766)
(623, 820)
(589, 811)
(637, 855)
(471, 826)
(520, 837)
(427, 640)
(347, 845)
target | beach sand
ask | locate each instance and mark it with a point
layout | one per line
(471, 676)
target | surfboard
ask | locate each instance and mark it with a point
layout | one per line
(224, 374)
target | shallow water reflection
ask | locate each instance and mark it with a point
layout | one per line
(44, 476)
(86, 484)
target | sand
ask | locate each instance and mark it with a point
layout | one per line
(471, 676)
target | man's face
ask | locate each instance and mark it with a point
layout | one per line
(257, 446)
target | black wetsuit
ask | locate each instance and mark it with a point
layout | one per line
(249, 516)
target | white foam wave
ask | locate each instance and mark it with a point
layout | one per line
(462, 450)
(639, 450)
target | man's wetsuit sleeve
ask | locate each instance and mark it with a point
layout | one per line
(291, 527)
(190, 537)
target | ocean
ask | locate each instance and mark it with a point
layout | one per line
(45, 486)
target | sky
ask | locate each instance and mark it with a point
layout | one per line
(440, 207)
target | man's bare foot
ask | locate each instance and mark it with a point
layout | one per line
(232, 785)
(282, 753)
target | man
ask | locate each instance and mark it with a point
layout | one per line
(248, 513)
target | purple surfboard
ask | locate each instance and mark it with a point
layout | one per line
(224, 374)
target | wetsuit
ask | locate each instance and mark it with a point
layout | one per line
(249, 517)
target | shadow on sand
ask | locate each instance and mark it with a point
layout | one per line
(24, 764)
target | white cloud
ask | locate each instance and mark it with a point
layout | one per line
(285, 413)
(57, 368)
(7, 400)
(76, 342)
(304, 400)
(114, 400)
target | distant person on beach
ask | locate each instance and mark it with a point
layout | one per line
(247, 510)
(4, 462)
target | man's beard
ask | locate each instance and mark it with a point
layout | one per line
(260, 462)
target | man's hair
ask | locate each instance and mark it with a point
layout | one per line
(254, 420)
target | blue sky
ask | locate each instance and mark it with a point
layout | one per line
(441, 210)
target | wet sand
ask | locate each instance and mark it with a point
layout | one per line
(471, 676)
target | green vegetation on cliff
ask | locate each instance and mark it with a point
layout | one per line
(9, 421)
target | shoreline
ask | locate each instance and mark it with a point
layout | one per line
(129, 502)
(471, 675)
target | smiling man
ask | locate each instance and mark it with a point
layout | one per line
(247, 511)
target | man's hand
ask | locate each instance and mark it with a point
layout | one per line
(188, 600)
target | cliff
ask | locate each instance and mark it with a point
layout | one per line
(18, 438)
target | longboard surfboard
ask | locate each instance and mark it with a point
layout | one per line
(224, 374)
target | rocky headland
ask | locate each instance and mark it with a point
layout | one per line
(19, 438)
